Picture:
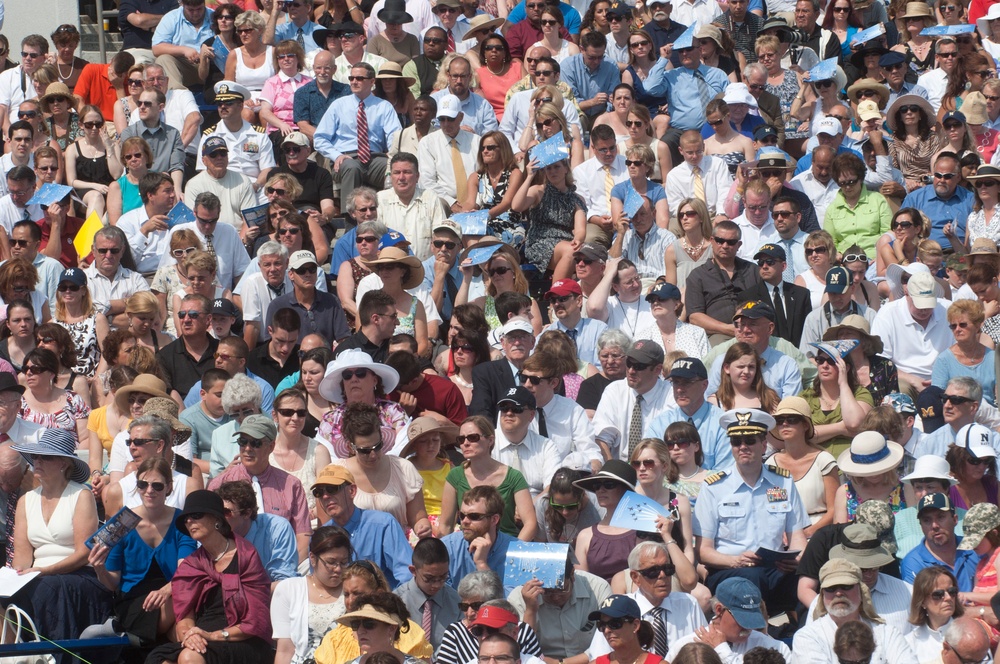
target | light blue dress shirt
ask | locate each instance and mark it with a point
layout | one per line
(379, 538)
(907, 89)
(587, 332)
(936, 443)
(479, 113)
(174, 29)
(337, 132)
(714, 439)
(683, 89)
(780, 373)
(955, 210)
(461, 563)
(587, 84)
(964, 568)
(946, 367)
(456, 275)
(571, 17)
(267, 392)
(274, 539)
(291, 31)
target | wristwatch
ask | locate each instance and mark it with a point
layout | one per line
(225, 634)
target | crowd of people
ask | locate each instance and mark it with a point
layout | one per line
(383, 291)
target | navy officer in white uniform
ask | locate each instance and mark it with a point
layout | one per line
(747, 508)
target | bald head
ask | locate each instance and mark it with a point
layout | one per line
(12, 468)
(965, 640)
(311, 341)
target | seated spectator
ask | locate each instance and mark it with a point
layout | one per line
(438, 170)
(972, 461)
(967, 356)
(234, 189)
(962, 400)
(222, 241)
(143, 312)
(742, 382)
(316, 199)
(870, 478)
(48, 405)
(185, 360)
(602, 549)
(91, 161)
(670, 333)
(281, 493)
(433, 394)
(245, 591)
(295, 451)
(177, 41)
(164, 141)
(505, 275)
(611, 347)
(933, 607)
(937, 521)
(56, 546)
(312, 99)
(391, 85)
(251, 63)
(479, 544)
(278, 357)
(241, 398)
(856, 215)
(252, 154)
(401, 273)
(319, 312)
(277, 98)
(103, 85)
(838, 402)
(271, 535)
(146, 226)
(375, 535)
(286, 226)
(295, 600)
(428, 593)
(136, 568)
(231, 357)
(123, 194)
(206, 416)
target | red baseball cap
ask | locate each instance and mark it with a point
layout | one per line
(494, 616)
(564, 287)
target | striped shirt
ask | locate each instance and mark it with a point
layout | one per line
(459, 646)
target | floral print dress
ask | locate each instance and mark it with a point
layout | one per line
(551, 223)
(75, 409)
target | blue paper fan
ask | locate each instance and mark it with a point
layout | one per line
(550, 151)
(868, 34)
(947, 30)
(179, 214)
(480, 255)
(637, 512)
(686, 38)
(535, 560)
(50, 193)
(633, 201)
(824, 71)
(472, 223)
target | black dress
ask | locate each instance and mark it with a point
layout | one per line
(92, 169)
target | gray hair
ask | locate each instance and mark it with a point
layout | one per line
(613, 338)
(240, 389)
(484, 584)
(944, 41)
(250, 18)
(366, 193)
(112, 233)
(754, 68)
(972, 388)
(644, 549)
(375, 227)
(503, 604)
(159, 428)
(209, 201)
(152, 65)
(272, 248)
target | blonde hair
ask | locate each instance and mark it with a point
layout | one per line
(143, 302)
(201, 260)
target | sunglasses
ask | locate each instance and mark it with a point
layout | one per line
(69, 288)
(365, 623)
(548, 22)
(855, 258)
(142, 485)
(193, 315)
(465, 606)
(634, 124)
(815, 250)
(145, 104)
(945, 176)
(434, 40)
(567, 507)
(94, 124)
(275, 190)
(825, 359)
(769, 262)
(139, 442)
(955, 400)
(613, 624)
(655, 571)
(843, 184)
(289, 230)
(842, 588)
(352, 373)
(472, 438)
(369, 450)
(644, 463)
(982, 184)
(607, 485)
(289, 412)
(635, 162)
(30, 115)
(516, 410)
(19, 243)
(34, 370)
(901, 225)
(824, 84)
(939, 594)
(488, 148)
(247, 441)
(354, 79)
(305, 269)
(679, 444)
(742, 441)
(730, 243)
(976, 462)
(637, 44)
(327, 490)
(367, 238)
(472, 516)
(465, 348)
(954, 326)
(499, 271)
(114, 251)
(445, 244)
(544, 123)
(782, 420)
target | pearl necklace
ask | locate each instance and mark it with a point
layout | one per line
(59, 71)
(224, 552)
(691, 251)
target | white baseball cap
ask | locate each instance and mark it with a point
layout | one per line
(920, 288)
(829, 126)
(449, 106)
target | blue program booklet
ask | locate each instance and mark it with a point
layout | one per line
(868, 34)
(255, 216)
(535, 560)
(947, 30)
(480, 255)
(632, 203)
(50, 193)
(115, 529)
(824, 71)
(472, 223)
(179, 214)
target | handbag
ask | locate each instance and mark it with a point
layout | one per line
(17, 620)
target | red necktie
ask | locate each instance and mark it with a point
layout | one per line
(451, 42)
(364, 150)
(426, 619)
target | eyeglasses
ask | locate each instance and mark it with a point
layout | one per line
(369, 450)
(139, 442)
(472, 516)
(244, 31)
(893, 67)
(655, 571)
(114, 251)
(534, 380)
(769, 262)
(287, 56)
(247, 441)
(730, 243)
(472, 438)
(481, 632)
(69, 288)
(825, 359)
(289, 412)
(360, 373)
(844, 184)
(365, 623)
(565, 507)
(465, 606)
(982, 184)
(34, 370)
(333, 564)
(324, 490)
(585, 261)
(944, 176)
(644, 463)
(94, 124)
(964, 324)
(855, 258)
(225, 357)
(743, 441)
(636, 366)
(305, 269)
(715, 123)
(137, 155)
(193, 315)
(991, 97)
(444, 244)
(499, 271)
(47, 169)
(508, 409)
(955, 400)
(142, 485)
(289, 230)
(815, 250)
(355, 79)
(976, 462)
(370, 239)
(635, 162)
(30, 115)
(782, 420)
(901, 225)
(679, 444)
(613, 624)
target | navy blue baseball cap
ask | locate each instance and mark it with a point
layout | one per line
(891, 58)
(772, 251)
(764, 131)
(74, 276)
(956, 116)
(617, 606)
(664, 291)
(213, 144)
(689, 368)
(743, 600)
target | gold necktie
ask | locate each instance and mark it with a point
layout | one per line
(699, 184)
(461, 178)
(609, 184)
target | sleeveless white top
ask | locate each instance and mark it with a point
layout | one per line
(816, 287)
(253, 79)
(561, 55)
(52, 541)
(132, 499)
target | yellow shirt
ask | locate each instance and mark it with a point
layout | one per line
(340, 645)
(98, 423)
(434, 488)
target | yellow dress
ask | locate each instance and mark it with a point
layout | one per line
(97, 422)
(434, 488)
(340, 645)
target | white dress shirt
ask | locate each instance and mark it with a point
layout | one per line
(10, 214)
(569, 428)
(813, 644)
(535, 457)
(683, 617)
(927, 643)
(229, 250)
(820, 194)
(913, 347)
(589, 180)
(689, 12)
(753, 237)
(12, 92)
(415, 220)
(935, 82)
(715, 176)
(732, 653)
(146, 249)
(515, 116)
(102, 290)
(436, 170)
(614, 412)
(256, 296)
(6, 165)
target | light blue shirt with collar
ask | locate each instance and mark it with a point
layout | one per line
(780, 373)
(456, 275)
(587, 84)
(266, 404)
(274, 539)
(291, 31)
(907, 89)
(680, 86)
(337, 132)
(479, 113)
(714, 439)
(175, 29)
(461, 563)
(587, 332)
(795, 251)
(937, 442)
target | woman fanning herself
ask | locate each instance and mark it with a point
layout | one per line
(640, 132)
(640, 160)
(493, 185)
(386, 483)
(220, 592)
(875, 373)
(813, 468)
(504, 273)
(51, 528)
(837, 402)
(655, 471)
(693, 229)
(139, 568)
(476, 440)
(742, 384)
(545, 120)
(671, 334)
(92, 163)
(557, 215)
(844, 21)
(305, 608)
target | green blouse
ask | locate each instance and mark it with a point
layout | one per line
(512, 483)
(835, 445)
